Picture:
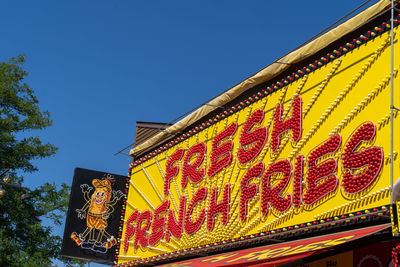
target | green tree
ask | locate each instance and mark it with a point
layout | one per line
(24, 239)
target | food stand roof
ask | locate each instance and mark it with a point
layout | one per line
(266, 74)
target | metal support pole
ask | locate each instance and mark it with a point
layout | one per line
(391, 103)
(15, 186)
(4, 172)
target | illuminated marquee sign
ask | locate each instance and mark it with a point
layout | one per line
(95, 207)
(309, 147)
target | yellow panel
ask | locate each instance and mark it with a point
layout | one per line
(337, 98)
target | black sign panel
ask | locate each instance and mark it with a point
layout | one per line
(94, 215)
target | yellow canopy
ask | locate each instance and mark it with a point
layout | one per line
(268, 72)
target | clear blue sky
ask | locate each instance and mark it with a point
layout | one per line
(100, 66)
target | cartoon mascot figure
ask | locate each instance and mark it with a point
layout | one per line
(97, 209)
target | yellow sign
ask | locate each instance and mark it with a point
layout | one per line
(394, 214)
(316, 148)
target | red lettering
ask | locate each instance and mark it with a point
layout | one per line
(190, 170)
(130, 228)
(321, 178)
(172, 171)
(361, 167)
(295, 124)
(173, 227)
(141, 230)
(298, 178)
(248, 192)
(221, 155)
(271, 196)
(157, 228)
(192, 227)
(217, 208)
(256, 138)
